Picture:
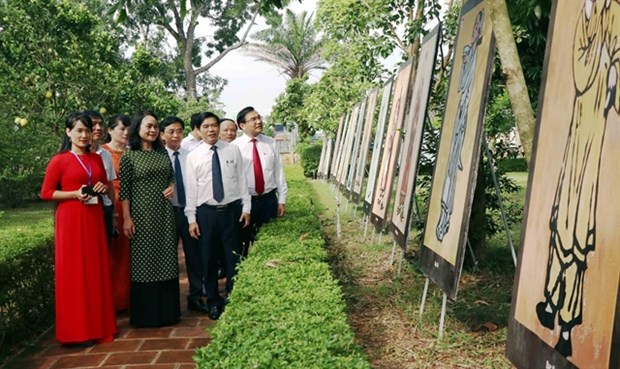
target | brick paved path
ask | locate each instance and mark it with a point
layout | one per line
(153, 348)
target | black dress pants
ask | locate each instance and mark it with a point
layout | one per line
(220, 232)
(264, 208)
(193, 254)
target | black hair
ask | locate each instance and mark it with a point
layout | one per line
(134, 131)
(196, 121)
(229, 120)
(114, 121)
(70, 123)
(242, 113)
(170, 120)
(208, 114)
(94, 114)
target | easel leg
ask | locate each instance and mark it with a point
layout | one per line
(366, 226)
(400, 261)
(424, 292)
(442, 317)
(392, 254)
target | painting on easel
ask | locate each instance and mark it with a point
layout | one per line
(456, 166)
(383, 186)
(413, 129)
(377, 147)
(566, 297)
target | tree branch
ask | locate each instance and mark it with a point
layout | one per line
(398, 40)
(166, 25)
(239, 44)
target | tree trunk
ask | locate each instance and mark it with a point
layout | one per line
(511, 69)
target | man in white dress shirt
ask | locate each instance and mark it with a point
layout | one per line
(171, 132)
(109, 215)
(263, 171)
(193, 139)
(217, 206)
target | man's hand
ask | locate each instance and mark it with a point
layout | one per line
(194, 231)
(281, 210)
(244, 219)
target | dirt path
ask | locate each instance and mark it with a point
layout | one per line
(383, 307)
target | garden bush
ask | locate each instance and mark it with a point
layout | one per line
(286, 310)
(26, 283)
(512, 165)
(310, 155)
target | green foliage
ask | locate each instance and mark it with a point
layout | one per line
(291, 44)
(27, 279)
(289, 106)
(512, 164)
(286, 310)
(57, 57)
(310, 155)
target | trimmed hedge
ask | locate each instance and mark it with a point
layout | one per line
(286, 310)
(310, 155)
(26, 284)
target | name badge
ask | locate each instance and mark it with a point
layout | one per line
(93, 201)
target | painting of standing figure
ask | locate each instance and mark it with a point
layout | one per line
(455, 161)
(456, 165)
(574, 307)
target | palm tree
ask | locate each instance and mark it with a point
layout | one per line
(292, 45)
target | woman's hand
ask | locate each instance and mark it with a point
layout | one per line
(129, 227)
(83, 197)
(169, 192)
(100, 188)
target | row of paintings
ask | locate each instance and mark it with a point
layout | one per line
(565, 311)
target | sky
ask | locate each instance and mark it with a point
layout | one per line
(251, 82)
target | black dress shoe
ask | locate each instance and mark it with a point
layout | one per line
(84, 344)
(214, 312)
(196, 304)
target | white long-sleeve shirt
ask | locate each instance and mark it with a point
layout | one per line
(198, 178)
(273, 172)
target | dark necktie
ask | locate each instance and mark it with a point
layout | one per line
(216, 171)
(179, 179)
(259, 181)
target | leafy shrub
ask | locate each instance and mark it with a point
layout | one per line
(310, 155)
(512, 164)
(286, 310)
(26, 283)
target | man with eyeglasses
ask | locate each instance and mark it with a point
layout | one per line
(263, 170)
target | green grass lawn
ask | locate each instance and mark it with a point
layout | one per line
(37, 216)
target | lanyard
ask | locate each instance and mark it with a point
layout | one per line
(89, 170)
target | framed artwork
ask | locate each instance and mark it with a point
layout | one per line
(341, 148)
(358, 181)
(319, 170)
(413, 129)
(383, 186)
(377, 147)
(566, 297)
(456, 165)
(328, 156)
(334, 164)
(323, 168)
(348, 146)
(357, 139)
